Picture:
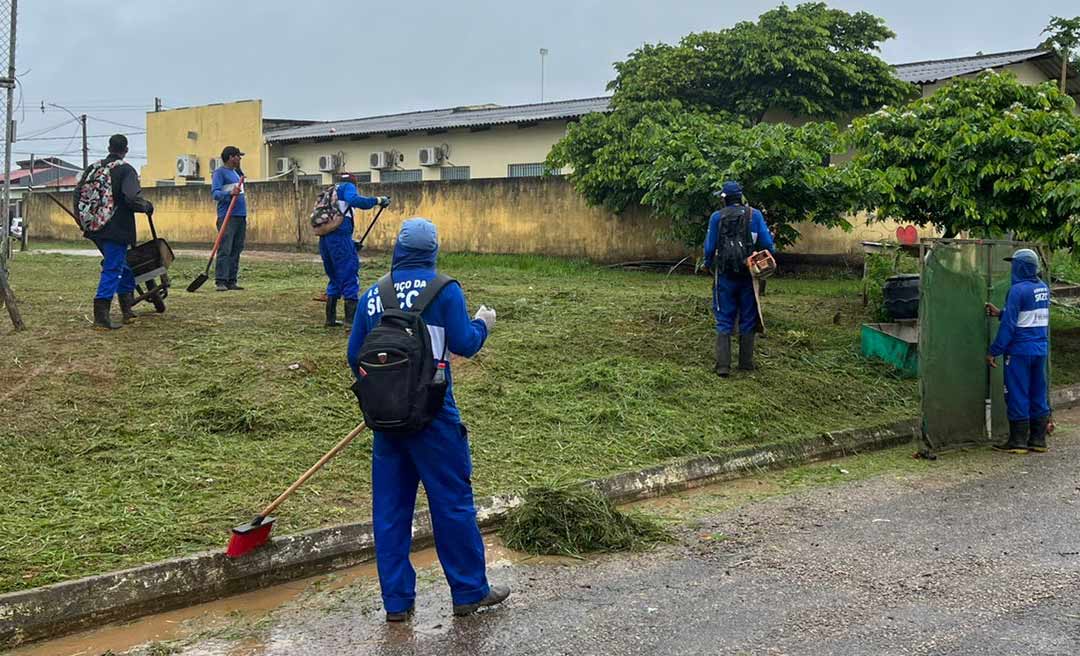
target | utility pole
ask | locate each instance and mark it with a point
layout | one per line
(7, 297)
(543, 53)
(85, 148)
(157, 104)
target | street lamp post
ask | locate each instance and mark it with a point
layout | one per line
(543, 53)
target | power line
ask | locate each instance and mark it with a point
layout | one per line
(123, 125)
(89, 136)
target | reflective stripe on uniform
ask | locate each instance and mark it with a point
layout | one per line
(1039, 318)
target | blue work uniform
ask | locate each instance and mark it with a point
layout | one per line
(1024, 339)
(339, 257)
(733, 293)
(438, 454)
(114, 238)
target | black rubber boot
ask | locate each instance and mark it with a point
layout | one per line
(331, 312)
(746, 351)
(1037, 438)
(723, 354)
(1019, 431)
(496, 595)
(127, 301)
(102, 320)
(350, 313)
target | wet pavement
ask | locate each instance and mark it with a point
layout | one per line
(975, 554)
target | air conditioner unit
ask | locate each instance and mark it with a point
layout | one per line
(283, 164)
(431, 156)
(215, 164)
(386, 159)
(329, 163)
(187, 166)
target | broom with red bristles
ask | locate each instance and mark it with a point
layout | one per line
(254, 534)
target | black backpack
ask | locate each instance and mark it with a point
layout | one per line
(735, 241)
(400, 389)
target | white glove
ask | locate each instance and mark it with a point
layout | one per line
(487, 315)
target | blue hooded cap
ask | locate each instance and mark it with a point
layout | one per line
(731, 192)
(1025, 265)
(417, 245)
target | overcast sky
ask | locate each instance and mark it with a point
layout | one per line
(328, 60)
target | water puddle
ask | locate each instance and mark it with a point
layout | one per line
(252, 606)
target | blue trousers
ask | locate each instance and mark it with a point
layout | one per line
(439, 456)
(733, 297)
(116, 276)
(232, 244)
(342, 265)
(1026, 395)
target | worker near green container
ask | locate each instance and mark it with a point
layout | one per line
(1024, 340)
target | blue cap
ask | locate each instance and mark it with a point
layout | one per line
(1025, 255)
(730, 188)
(418, 234)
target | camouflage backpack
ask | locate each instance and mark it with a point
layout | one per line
(327, 216)
(94, 202)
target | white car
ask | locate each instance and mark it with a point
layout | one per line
(16, 227)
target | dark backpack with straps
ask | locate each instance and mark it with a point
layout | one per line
(399, 386)
(735, 241)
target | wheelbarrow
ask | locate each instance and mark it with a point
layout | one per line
(150, 261)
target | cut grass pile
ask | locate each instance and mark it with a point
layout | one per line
(572, 520)
(153, 441)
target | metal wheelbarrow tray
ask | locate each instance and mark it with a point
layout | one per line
(150, 262)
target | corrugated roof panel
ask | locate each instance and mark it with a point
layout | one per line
(942, 69)
(443, 119)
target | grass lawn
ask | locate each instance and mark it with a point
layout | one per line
(153, 441)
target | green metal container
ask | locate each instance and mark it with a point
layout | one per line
(895, 343)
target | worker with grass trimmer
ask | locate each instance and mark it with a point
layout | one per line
(106, 199)
(736, 233)
(1024, 339)
(340, 258)
(400, 358)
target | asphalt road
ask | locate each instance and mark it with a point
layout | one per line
(952, 560)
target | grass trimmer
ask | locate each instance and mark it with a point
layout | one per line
(205, 275)
(254, 534)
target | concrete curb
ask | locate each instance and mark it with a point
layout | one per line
(62, 608)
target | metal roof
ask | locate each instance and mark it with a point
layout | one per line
(443, 119)
(926, 72)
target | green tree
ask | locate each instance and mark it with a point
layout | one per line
(785, 170)
(811, 61)
(988, 155)
(1064, 37)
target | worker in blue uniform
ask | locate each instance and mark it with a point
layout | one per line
(340, 258)
(438, 454)
(1024, 339)
(735, 233)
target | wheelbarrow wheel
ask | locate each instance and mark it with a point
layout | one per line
(157, 296)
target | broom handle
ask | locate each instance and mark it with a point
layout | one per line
(314, 468)
(224, 224)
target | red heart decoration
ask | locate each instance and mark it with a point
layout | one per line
(907, 235)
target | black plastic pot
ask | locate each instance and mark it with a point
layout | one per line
(902, 296)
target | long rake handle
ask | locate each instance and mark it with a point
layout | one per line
(372, 224)
(314, 468)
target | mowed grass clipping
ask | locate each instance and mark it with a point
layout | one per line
(572, 520)
(153, 441)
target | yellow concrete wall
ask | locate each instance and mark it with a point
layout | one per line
(223, 124)
(487, 153)
(523, 215)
